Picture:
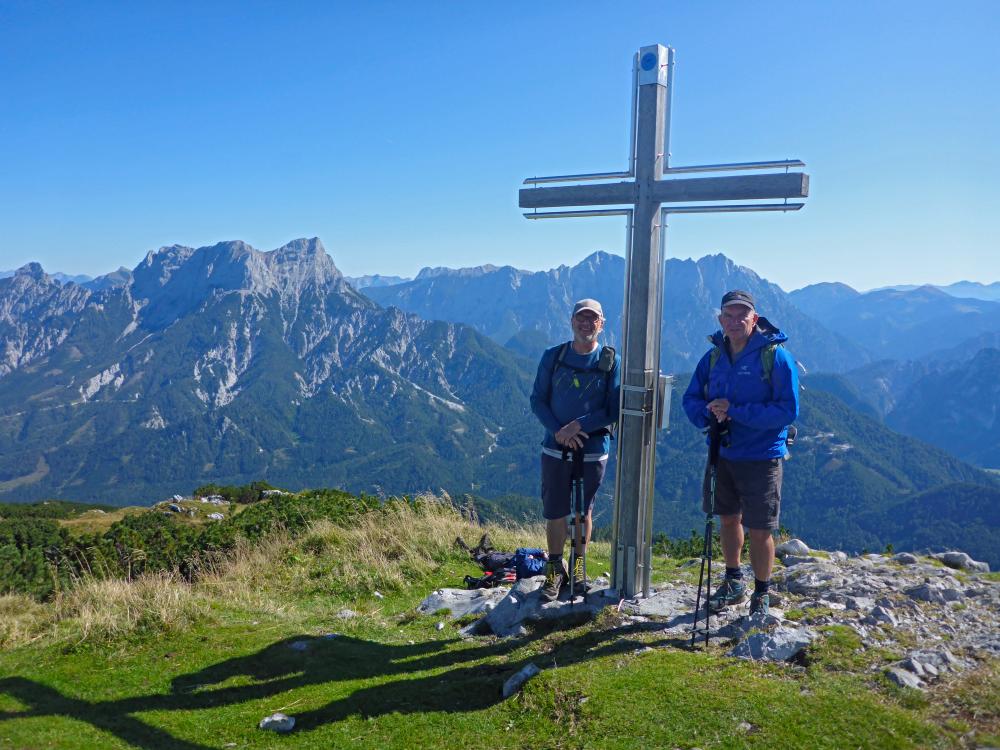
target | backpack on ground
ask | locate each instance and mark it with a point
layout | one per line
(502, 568)
(529, 561)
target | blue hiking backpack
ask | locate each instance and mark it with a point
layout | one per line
(529, 561)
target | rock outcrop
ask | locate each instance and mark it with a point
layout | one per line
(937, 620)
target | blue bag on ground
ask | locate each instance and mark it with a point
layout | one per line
(529, 561)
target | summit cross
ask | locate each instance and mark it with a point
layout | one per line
(639, 194)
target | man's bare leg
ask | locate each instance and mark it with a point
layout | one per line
(555, 535)
(761, 553)
(731, 534)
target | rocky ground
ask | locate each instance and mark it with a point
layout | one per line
(939, 613)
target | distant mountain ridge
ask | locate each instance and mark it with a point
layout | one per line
(517, 308)
(900, 324)
(81, 279)
(375, 279)
(933, 378)
(967, 289)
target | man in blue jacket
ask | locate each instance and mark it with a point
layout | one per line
(575, 397)
(749, 384)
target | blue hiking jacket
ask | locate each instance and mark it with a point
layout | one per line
(562, 394)
(760, 412)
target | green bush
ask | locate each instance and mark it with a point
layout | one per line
(37, 556)
(29, 550)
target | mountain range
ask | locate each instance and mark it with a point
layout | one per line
(223, 363)
(228, 364)
(967, 289)
(883, 343)
(895, 324)
(528, 311)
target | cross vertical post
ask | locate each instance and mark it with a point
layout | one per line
(631, 554)
(641, 400)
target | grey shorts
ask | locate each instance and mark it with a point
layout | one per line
(556, 476)
(750, 488)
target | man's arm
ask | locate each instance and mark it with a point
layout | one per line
(783, 408)
(541, 393)
(695, 405)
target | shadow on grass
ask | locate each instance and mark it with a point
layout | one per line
(422, 677)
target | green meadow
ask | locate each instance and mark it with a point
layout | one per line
(164, 661)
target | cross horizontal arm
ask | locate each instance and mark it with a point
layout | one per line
(734, 188)
(605, 194)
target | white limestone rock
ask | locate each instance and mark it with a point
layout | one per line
(792, 547)
(925, 593)
(780, 644)
(961, 561)
(278, 722)
(904, 678)
(790, 560)
(524, 604)
(461, 602)
(516, 681)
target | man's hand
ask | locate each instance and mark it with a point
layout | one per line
(720, 409)
(571, 436)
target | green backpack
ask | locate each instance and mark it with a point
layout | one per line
(766, 361)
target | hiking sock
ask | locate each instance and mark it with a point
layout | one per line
(734, 573)
(760, 587)
(555, 559)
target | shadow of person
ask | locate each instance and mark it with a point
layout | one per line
(309, 660)
(464, 688)
(304, 660)
(41, 701)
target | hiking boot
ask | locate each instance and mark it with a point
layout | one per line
(732, 591)
(759, 604)
(555, 579)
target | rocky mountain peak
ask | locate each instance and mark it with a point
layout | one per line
(298, 264)
(33, 271)
(176, 279)
(430, 273)
(600, 258)
(121, 277)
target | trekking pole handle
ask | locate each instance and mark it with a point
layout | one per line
(715, 432)
(577, 470)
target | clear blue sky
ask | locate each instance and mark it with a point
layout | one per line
(399, 132)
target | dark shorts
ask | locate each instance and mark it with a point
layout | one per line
(751, 488)
(556, 476)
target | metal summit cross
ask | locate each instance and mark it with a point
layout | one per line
(640, 194)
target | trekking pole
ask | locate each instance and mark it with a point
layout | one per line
(571, 455)
(581, 519)
(715, 430)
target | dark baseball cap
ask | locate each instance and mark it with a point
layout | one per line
(738, 297)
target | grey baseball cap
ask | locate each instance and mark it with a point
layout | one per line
(589, 304)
